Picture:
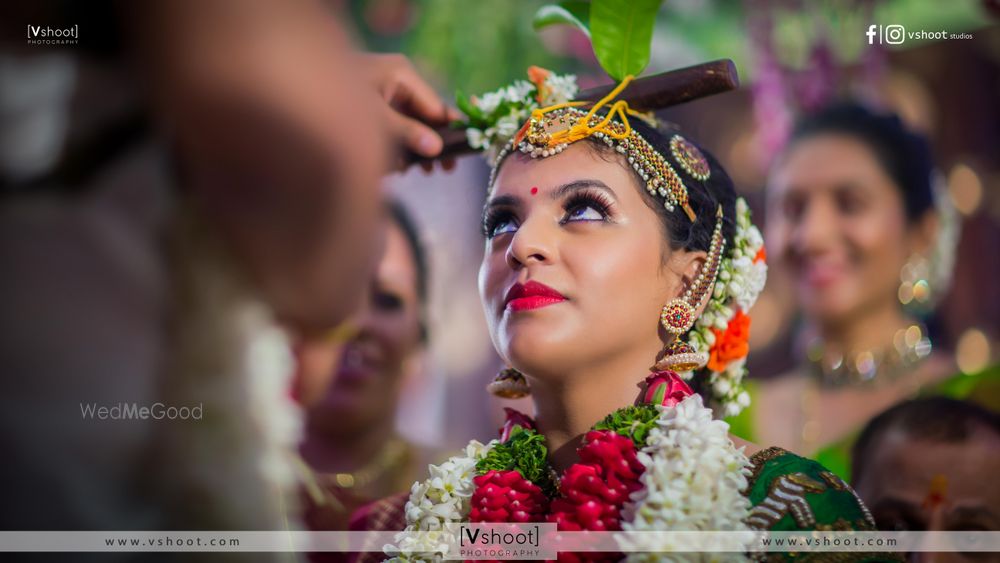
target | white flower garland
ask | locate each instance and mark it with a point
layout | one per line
(508, 108)
(741, 279)
(236, 469)
(694, 480)
(442, 499)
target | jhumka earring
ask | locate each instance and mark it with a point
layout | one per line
(678, 315)
(509, 384)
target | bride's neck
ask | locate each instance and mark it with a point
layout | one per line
(567, 407)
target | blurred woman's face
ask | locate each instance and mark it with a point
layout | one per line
(836, 221)
(574, 269)
(366, 383)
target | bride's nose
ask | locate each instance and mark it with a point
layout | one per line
(533, 243)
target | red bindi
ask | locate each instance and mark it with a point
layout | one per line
(534, 190)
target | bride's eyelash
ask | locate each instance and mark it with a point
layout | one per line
(596, 199)
(589, 198)
(492, 217)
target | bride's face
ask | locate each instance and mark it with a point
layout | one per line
(576, 266)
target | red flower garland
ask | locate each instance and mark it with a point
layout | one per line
(592, 492)
(506, 496)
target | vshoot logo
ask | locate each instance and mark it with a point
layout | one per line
(895, 34)
(46, 35)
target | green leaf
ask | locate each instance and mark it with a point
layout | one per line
(622, 34)
(466, 106)
(525, 452)
(633, 422)
(572, 12)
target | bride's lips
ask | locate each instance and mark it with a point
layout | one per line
(531, 295)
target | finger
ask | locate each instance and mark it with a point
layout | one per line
(416, 97)
(414, 135)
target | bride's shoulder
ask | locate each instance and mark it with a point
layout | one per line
(789, 492)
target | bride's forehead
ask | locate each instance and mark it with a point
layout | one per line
(521, 173)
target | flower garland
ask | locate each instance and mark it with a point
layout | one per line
(236, 470)
(661, 465)
(442, 499)
(495, 117)
(723, 329)
(694, 478)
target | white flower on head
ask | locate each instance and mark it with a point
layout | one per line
(520, 97)
(740, 281)
(755, 241)
(562, 88)
(477, 139)
(519, 91)
(489, 102)
(508, 125)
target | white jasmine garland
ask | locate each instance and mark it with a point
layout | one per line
(694, 480)
(442, 499)
(236, 469)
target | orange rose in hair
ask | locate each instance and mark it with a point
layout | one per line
(731, 344)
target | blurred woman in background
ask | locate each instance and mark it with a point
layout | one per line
(852, 219)
(351, 442)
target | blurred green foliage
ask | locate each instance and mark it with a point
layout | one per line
(479, 45)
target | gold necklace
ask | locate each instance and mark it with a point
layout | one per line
(390, 455)
(909, 347)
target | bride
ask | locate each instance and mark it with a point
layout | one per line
(612, 246)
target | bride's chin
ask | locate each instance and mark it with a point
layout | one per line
(539, 354)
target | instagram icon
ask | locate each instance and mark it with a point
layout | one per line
(891, 34)
(894, 34)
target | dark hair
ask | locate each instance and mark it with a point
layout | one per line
(402, 218)
(903, 154)
(934, 419)
(704, 197)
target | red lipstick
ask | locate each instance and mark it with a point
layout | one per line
(531, 295)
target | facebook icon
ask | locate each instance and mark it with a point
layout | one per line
(871, 33)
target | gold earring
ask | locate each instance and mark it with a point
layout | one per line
(509, 384)
(678, 315)
(679, 356)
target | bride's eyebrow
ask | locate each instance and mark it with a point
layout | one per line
(506, 200)
(583, 184)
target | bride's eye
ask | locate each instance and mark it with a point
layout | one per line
(499, 222)
(586, 207)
